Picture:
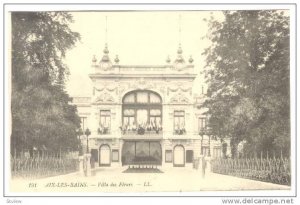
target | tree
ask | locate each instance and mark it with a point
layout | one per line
(247, 71)
(41, 114)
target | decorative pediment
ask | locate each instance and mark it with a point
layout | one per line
(142, 84)
(179, 99)
(108, 87)
(179, 141)
(105, 98)
(99, 142)
(179, 87)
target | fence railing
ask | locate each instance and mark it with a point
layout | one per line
(38, 167)
(268, 170)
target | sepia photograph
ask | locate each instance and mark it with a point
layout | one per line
(149, 101)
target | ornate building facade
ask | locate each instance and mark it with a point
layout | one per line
(144, 114)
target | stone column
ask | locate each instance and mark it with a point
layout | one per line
(81, 170)
(208, 167)
(200, 163)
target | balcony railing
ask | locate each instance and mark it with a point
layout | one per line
(141, 131)
(103, 131)
(179, 131)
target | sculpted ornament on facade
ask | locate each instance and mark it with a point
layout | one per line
(179, 99)
(138, 84)
(142, 84)
(176, 142)
(105, 98)
(179, 87)
(163, 89)
(122, 89)
(109, 87)
(100, 142)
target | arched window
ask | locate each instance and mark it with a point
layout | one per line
(142, 97)
(142, 109)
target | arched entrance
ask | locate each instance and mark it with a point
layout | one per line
(104, 158)
(179, 156)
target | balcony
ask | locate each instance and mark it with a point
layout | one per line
(181, 131)
(141, 133)
(103, 131)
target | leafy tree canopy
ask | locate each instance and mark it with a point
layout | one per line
(247, 71)
(41, 114)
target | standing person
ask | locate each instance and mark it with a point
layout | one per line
(203, 166)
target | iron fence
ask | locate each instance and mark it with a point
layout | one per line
(274, 170)
(38, 167)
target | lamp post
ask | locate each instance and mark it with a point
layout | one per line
(87, 133)
(79, 132)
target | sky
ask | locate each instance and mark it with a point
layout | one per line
(138, 38)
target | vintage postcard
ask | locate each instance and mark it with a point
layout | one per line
(104, 100)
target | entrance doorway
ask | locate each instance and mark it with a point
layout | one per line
(141, 153)
(104, 155)
(179, 156)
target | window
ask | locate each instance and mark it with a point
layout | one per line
(168, 156)
(115, 155)
(142, 97)
(155, 118)
(129, 119)
(189, 156)
(142, 111)
(154, 98)
(104, 125)
(141, 116)
(83, 123)
(202, 123)
(179, 122)
(130, 98)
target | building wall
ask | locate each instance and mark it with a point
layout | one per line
(174, 85)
